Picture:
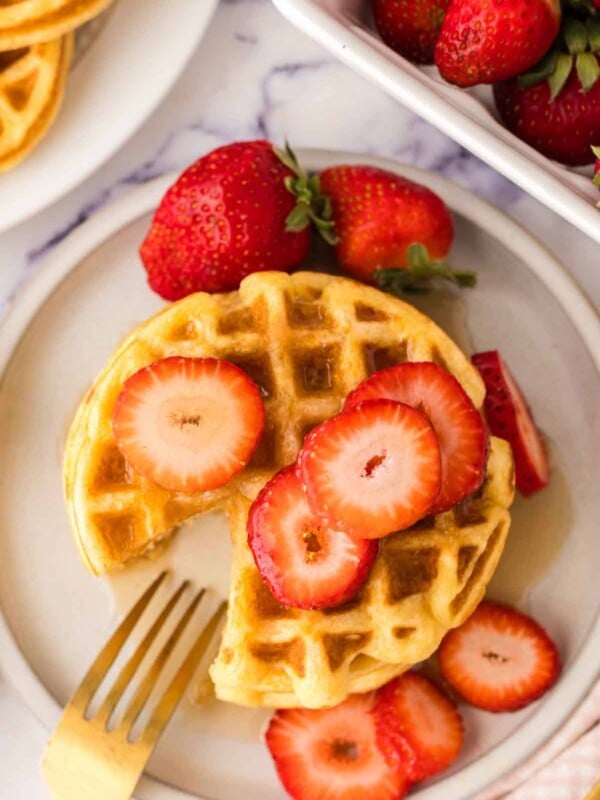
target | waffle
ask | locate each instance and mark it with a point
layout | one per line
(26, 22)
(32, 81)
(306, 340)
(425, 581)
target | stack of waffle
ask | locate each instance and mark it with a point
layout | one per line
(36, 47)
(306, 340)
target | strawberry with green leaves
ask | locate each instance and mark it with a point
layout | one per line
(240, 209)
(390, 230)
(556, 106)
(410, 27)
(496, 40)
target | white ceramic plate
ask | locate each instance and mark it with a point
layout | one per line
(54, 616)
(344, 27)
(115, 85)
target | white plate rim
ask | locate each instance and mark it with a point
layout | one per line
(520, 163)
(66, 256)
(198, 16)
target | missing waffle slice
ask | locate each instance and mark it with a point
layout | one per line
(306, 340)
(32, 82)
(27, 22)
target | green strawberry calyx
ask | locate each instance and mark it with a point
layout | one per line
(311, 205)
(578, 45)
(596, 152)
(417, 277)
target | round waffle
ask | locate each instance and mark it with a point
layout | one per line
(306, 340)
(32, 81)
(26, 22)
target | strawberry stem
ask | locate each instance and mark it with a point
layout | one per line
(311, 205)
(417, 277)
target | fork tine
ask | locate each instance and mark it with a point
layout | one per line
(152, 675)
(111, 650)
(134, 662)
(168, 703)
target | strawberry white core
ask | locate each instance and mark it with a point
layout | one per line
(188, 424)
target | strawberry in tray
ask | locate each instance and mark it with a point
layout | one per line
(556, 106)
(486, 42)
(410, 28)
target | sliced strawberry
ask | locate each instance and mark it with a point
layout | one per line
(509, 417)
(373, 469)
(456, 422)
(188, 424)
(500, 659)
(419, 728)
(332, 754)
(304, 563)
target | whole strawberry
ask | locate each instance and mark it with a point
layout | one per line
(485, 41)
(224, 218)
(556, 108)
(388, 228)
(410, 28)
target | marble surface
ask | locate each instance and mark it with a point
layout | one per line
(254, 75)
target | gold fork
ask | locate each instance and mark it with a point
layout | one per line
(84, 760)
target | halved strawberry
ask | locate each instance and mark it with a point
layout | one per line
(373, 469)
(500, 659)
(419, 729)
(304, 563)
(509, 417)
(457, 423)
(332, 754)
(188, 424)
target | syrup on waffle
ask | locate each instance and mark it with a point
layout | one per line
(306, 340)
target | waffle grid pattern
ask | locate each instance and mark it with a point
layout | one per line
(27, 22)
(307, 340)
(32, 82)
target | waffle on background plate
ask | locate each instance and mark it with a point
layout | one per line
(36, 47)
(306, 340)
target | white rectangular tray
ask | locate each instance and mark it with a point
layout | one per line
(344, 27)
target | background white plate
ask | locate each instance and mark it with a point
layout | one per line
(127, 70)
(345, 28)
(54, 615)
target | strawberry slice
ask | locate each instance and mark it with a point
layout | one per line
(373, 469)
(509, 417)
(332, 754)
(304, 563)
(188, 424)
(419, 729)
(457, 423)
(500, 659)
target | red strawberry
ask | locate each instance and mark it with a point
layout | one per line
(410, 28)
(485, 42)
(188, 424)
(457, 423)
(379, 219)
(500, 659)
(556, 107)
(304, 563)
(229, 214)
(332, 753)
(509, 418)
(373, 469)
(419, 728)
